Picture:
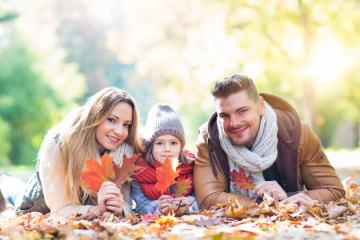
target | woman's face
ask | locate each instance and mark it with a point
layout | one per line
(115, 128)
(166, 146)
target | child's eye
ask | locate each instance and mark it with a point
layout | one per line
(174, 143)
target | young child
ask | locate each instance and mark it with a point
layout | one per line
(163, 138)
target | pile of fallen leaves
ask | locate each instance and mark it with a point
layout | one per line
(332, 212)
(268, 220)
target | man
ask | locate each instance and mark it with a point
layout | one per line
(259, 139)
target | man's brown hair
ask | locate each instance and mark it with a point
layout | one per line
(234, 84)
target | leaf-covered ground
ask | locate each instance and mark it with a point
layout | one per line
(199, 226)
(269, 220)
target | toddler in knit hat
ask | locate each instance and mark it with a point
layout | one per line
(164, 138)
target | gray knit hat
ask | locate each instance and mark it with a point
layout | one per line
(162, 120)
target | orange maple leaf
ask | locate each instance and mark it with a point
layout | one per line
(165, 175)
(127, 168)
(98, 172)
(240, 180)
(108, 165)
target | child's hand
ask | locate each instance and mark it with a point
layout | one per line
(183, 206)
(166, 204)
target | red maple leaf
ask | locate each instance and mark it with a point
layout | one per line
(240, 180)
(165, 175)
(97, 172)
(127, 169)
(182, 187)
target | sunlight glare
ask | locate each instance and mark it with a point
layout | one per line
(328, 62)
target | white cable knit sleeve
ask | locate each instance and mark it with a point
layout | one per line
(52, 180)
(125, 191)
(117, 155)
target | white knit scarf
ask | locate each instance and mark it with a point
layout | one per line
(262, 155)
(117, 154)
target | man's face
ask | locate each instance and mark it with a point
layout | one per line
(240, 117)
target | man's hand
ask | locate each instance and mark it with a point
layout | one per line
(272, 188)
(300, 198)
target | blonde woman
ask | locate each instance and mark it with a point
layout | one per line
(108, 122)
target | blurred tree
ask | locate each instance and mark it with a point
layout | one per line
(37, 87)
(8, 16)
(303, 48)
(296, 49)
(84, 37)
(5, 141)
(4, 126)
(27, 102)
(350, 100)
(30, 105)
(162, 50)
(177, 50)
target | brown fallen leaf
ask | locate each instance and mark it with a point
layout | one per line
(315, 211)
(353, 193)
(205, 222)
(334, 210)
(127, 168)
(351, 207)
(238, 213)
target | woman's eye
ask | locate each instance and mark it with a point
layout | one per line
(158, 143)
(112, 120)
(127, 125)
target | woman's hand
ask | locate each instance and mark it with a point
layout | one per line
(109, 198)
(115, 204)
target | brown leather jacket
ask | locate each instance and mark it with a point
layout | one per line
(301, 163)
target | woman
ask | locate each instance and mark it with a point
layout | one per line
(108, 122)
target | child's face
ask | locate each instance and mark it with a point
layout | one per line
(166, 146)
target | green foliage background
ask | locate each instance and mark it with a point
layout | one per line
(55, 54)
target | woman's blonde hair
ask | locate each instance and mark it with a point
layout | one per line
(79, 143)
